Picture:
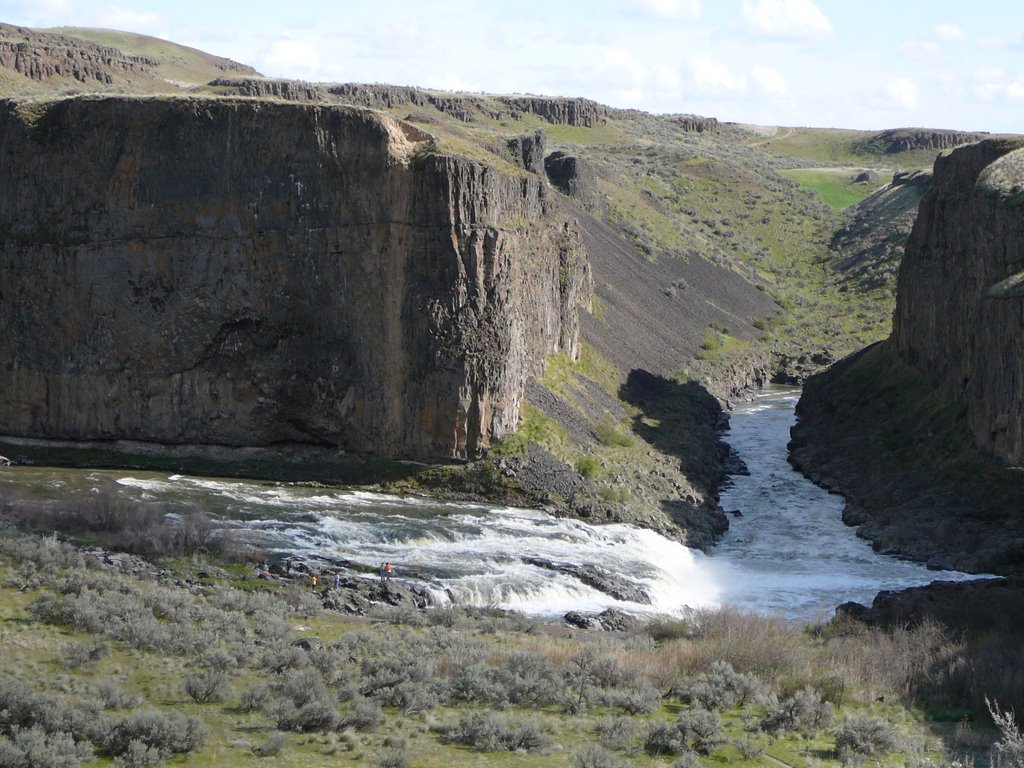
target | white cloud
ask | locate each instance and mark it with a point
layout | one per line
(989, 83)
(900, 93)
(793, 19)
(990, 73)
(673, 10)
(988, 91)
(291, 58)
(949, 32)
(115, 17)
(452, 82)
(710, 76)
(623, 61)
(52, 6)
(667, 78)
(770, 80)
(922, 50)
(1015, 90)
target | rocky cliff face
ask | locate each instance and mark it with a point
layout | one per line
(43, 56)
(909, 139)
(470, 108)
(250, 273)
(968, 239)
(289, 90)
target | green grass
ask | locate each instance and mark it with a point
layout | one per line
(835, 185)
(537, 427)
(823, 145)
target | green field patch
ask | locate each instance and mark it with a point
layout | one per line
(836, 185)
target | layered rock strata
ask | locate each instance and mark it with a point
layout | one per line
(470, 108)
(43, 56)
(248, 273)
(910, 139)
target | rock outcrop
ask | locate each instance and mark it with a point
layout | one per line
(575, 177)
(908, 139)
(290, 90)
(582, 113)
(527, 151)
(469, 108)
(696, 123)
(43, 56)
(969, 239)
(203, 270)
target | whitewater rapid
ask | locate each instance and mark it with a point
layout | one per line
(468, 554)
(787, 553)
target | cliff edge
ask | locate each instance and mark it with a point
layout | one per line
(924, 433)
(243, 272)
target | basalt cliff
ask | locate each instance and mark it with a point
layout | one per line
(243, 272)
(924, 433)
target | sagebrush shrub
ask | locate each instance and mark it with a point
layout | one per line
(617, 733)
(169, 732)
(361, 714)
(491, 732)
(640, 698)
(207, 686)
(700, 730)
(865, 735)
(594, 756)
(804, 711)
(139, 755)
(271, 747)
(315, 714)
(662, 738)
(1008, 752)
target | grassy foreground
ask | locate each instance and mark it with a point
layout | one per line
(206, 665)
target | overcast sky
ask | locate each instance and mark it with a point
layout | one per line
(828, 63)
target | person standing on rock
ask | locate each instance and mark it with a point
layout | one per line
(387, 571)
(312, 581)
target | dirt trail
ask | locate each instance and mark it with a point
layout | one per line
(789, 132)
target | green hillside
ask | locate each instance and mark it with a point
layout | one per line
(176, 63)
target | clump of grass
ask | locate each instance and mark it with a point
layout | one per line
(609, 434)
(588, 466)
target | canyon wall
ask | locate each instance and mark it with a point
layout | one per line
(950, 323)
(238, 272)
(922, 432)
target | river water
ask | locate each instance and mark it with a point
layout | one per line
(788, 553)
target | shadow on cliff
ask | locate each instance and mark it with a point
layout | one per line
(681, 419)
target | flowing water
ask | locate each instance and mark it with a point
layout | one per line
(788, 552)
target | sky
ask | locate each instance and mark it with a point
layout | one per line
(866, 64)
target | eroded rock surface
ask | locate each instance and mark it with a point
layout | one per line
(969, 237)
(202, 270)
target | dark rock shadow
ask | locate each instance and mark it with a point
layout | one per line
(684, 421)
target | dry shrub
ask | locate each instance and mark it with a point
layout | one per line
(767, 646)
(140, 527)
(897, 661)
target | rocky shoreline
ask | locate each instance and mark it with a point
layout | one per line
(915, 489)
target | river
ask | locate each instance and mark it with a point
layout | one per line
(788, 553)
